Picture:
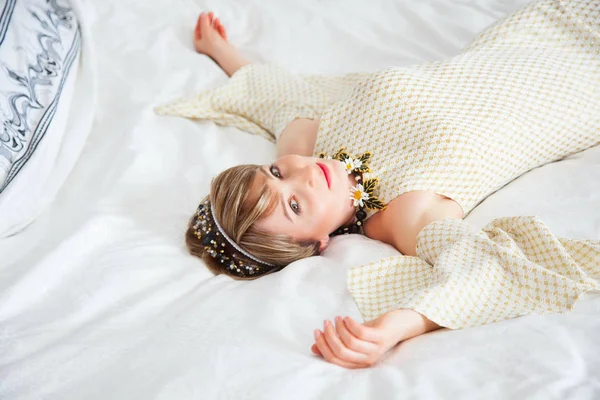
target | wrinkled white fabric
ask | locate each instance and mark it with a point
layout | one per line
(99, 299)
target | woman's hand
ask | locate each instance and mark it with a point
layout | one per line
(353, 345)
(210, 38)
(209, 34)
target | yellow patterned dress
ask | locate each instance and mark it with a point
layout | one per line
(524, 93)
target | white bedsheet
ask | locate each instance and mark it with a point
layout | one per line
(100, 300)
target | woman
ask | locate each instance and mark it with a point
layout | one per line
(404, 155)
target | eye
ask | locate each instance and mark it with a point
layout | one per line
(295, 206)
(275, 171)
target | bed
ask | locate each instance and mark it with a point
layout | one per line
(99, 298)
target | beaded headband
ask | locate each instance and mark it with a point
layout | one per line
(216, 249)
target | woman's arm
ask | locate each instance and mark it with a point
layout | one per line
(298, 137)
(406, 215)
(210, 38)
(353, 345)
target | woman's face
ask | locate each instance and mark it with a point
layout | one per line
(313, 197)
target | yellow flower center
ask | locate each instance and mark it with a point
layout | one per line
(348, 166)
(357, 195)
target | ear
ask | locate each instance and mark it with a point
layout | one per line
(323, 242)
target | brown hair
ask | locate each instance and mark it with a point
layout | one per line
(237, 212)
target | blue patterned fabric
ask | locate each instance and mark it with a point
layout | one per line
(39, 41)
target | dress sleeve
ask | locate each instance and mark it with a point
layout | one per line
(466, 277)
(263, 99)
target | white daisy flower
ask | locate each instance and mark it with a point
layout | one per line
(351, 164)
(358, 195)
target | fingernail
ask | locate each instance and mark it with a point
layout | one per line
(316, 334)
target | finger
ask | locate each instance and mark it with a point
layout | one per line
(197, 30)
(204, 22)
(211, 15)
(338, 347)
(328, 354)
(362, 332)
(315, 350)
(221, 30)
(217, 23)
(351, 341)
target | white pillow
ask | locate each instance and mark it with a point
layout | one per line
(43, 129)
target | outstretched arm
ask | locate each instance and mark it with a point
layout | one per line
(210, 38)
(353, 345)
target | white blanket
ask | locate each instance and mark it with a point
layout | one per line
(99, 299)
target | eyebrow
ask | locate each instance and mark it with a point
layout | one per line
(285, 211)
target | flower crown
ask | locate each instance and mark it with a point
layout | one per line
(215, 241)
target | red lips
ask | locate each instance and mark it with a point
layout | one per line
(326, 173)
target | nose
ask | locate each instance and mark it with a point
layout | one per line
(306, 176)
(311, 175)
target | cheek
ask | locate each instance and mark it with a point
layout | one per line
(323, 217)
(321, 209)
